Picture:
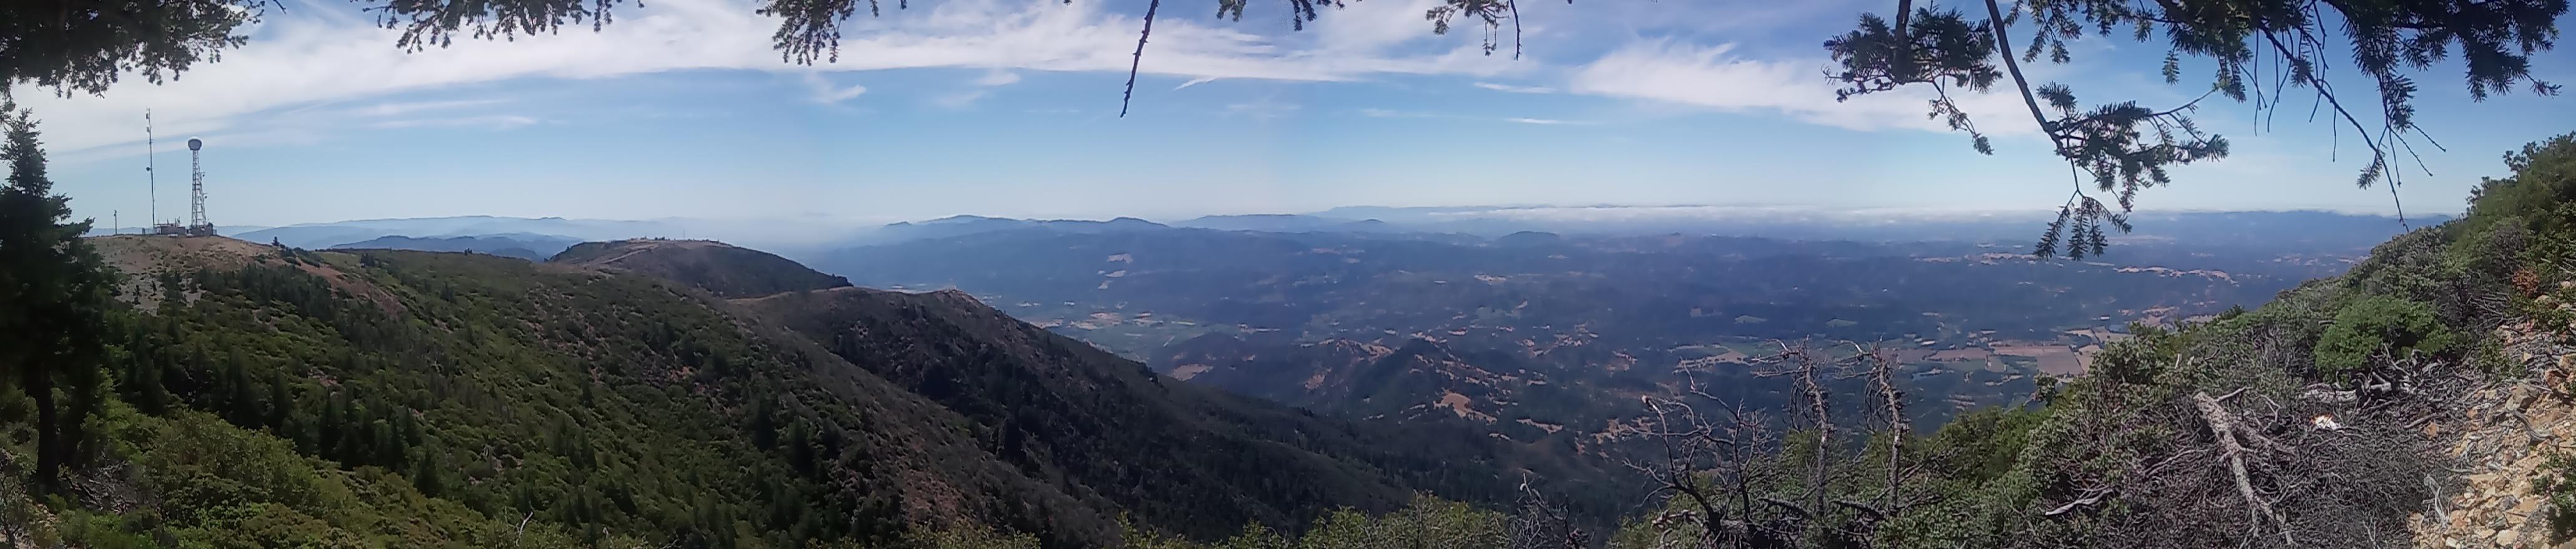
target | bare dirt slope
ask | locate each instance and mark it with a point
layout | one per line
(142, 260)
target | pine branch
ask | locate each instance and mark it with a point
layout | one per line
(1139, 59)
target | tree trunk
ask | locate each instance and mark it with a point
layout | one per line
(49, 451)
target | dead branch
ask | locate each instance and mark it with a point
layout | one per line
(2223, 425)
(2086, 501)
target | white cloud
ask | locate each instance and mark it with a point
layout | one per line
(828, 93)
(998, 78)
(489, 121)
(302, 59)
(397, 109)
(1712, 77)
(1194, 82)
(1391, 113)
(1264, 109)
(959, 100)
(1515, 89)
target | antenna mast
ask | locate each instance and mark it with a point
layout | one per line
(151, 177)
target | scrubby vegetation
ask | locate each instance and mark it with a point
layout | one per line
(2297, 424)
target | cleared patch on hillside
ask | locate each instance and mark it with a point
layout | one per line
(141, 262)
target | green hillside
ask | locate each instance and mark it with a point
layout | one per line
(611, 405)
(270, 397)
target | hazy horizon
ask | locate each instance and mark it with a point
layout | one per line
(1770, 211)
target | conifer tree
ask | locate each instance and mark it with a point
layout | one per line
(54, 298)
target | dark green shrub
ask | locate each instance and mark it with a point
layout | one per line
(2138, 359)
(2372, 324)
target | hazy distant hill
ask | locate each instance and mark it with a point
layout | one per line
(320, 235)
(1288, 223)
(713, 266)
(532, 247)
(2304, 229)
(972, 224)
(1648, 288)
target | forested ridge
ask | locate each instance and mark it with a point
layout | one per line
(610, 409)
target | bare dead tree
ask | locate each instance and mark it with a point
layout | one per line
(1693, 448)
(1537, 523)
(1874, 364)
(1799, 364)
(1713, 450)
(1707, 463)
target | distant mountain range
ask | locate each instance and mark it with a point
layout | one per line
(972, 224)
(333, 234)
(2304, 228)
(806, 238)
(532, 247)
(1287, 223)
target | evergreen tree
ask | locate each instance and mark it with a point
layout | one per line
(764, 422)
(424, 475)
(800, 447)
(280, 406)
(237, 397)
(54, 299)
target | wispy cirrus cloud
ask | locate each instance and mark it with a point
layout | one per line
(961, 99)
(1391, 113)
(1515, 89)
(402, 108)
(828, 93)
(488, 121)
(275, 70)
(1263, 109)
(997, 78)
(1714, 77)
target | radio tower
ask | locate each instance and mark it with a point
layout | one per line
(197, 225)
(151, 177)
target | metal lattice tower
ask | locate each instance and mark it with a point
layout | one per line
(151, 177)
(197, 190)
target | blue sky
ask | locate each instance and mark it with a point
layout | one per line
(1002, 107)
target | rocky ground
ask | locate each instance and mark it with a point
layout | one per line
(2504, 436)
